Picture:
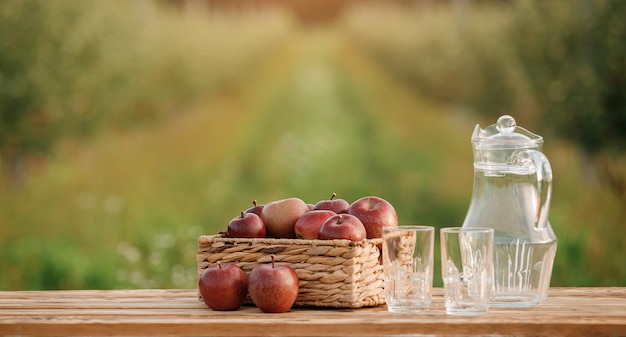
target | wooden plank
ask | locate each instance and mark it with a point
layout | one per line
(567, 312)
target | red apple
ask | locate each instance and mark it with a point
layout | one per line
(280, 217)
(375, 213)
(256, 208)
(247, 225)
(223, 287)
(335, 205)
(342, 226)
(309, 224)
(273, 288)
(310, 206)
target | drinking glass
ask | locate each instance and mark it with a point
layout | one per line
(467, 269)
(408, 267)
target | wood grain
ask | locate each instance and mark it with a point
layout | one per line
(567, 312)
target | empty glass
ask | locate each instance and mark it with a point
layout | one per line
(408, 267)
(467, 269)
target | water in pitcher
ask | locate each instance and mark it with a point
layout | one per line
(523, 252)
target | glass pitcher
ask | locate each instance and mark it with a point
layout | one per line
(512, 191)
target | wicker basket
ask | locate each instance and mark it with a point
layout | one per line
(332, 273)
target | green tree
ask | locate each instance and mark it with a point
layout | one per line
(51, 73)
(574, 55)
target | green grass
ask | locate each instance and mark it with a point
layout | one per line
(317, 115)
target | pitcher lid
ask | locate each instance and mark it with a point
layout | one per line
(505, 134)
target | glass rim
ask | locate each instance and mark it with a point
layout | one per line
(455, 230)
(409, 227)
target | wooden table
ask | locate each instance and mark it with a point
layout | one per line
(567, 312)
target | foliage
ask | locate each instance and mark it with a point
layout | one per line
(559, 67)
(70, 67)
(574, 56)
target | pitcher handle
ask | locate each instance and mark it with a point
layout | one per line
(544, 183)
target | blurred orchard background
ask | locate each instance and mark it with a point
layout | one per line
(129, 128)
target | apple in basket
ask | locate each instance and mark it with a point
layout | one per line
(342, 226)
(247, 225)
(308, 226)
(273, 287)
(280, 216)
(256, 208)
(223, 287)
(375, 213)
(335, 205)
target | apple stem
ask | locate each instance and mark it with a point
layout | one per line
(242, 213)
(254, 202)
(333, 196)
(273, 258)
(219, 264)
(340, 219)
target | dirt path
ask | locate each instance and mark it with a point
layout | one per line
(315, 127)
(330, 119)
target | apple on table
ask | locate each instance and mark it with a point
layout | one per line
(223, 287)
(273, 287)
